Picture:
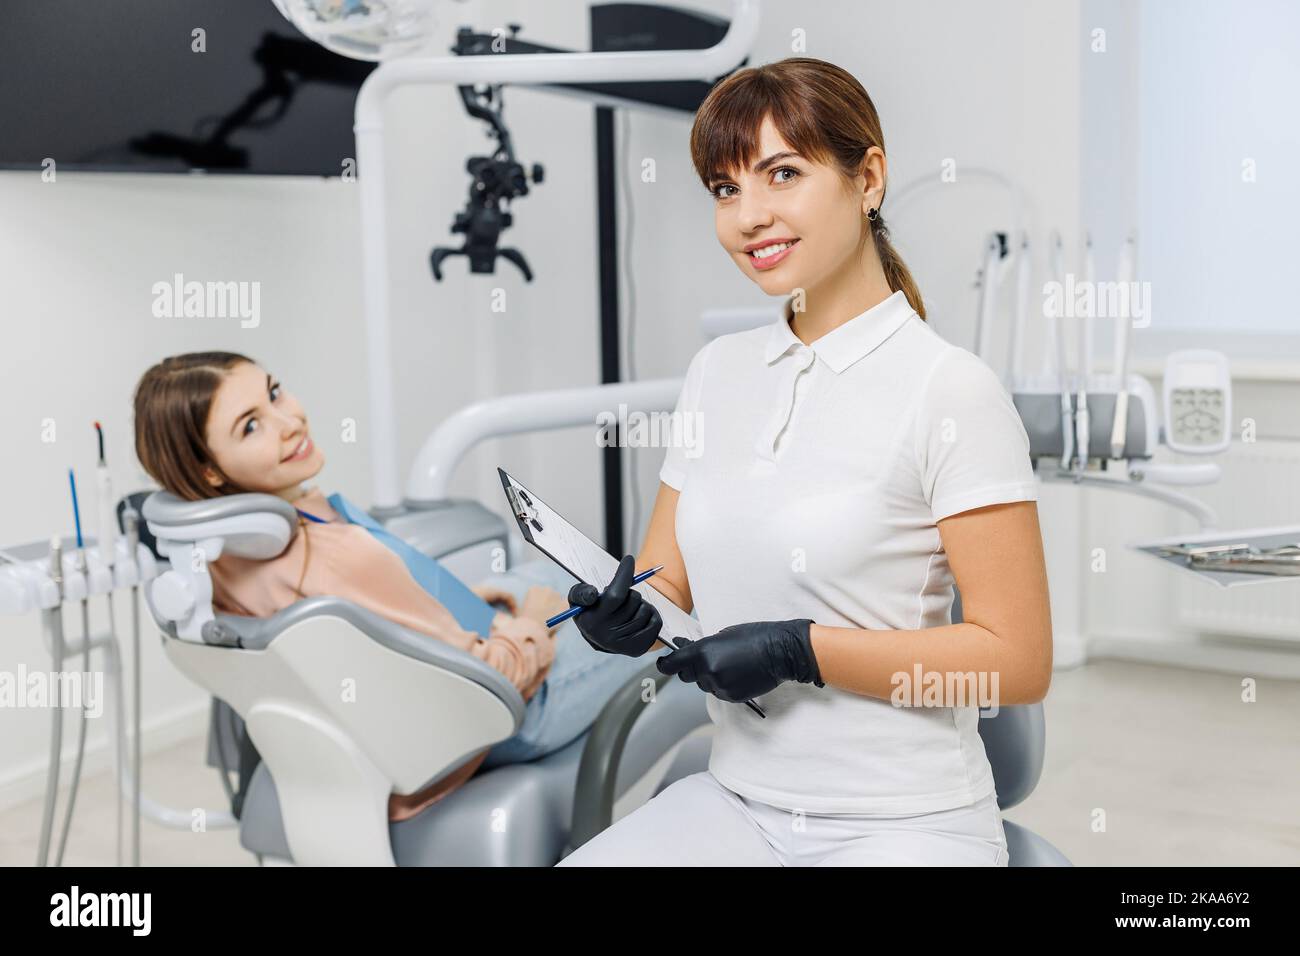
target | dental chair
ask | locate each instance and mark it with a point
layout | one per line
(345, 707)
(1015, 740)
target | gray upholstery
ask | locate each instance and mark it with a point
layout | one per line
(691, 757)
(1027, 848)
(438, 528)
(162, 507)
(1014, 740)
(164, 511)
(1041, 414)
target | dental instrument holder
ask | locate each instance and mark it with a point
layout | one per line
(1041, 407)
(1240, 558)
(43, 576)
(1244, 556)
(26, 583)
(1041, 410)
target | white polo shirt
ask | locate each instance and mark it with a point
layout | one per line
(813, 491)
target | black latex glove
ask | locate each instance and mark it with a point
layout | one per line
(745, 661)
(617, 620)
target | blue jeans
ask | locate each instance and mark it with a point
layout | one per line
(581, 680)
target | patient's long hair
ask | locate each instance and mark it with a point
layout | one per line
(172, 404)
(822, 111)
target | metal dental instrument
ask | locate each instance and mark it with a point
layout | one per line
(1123, 322)
(1242, 558)
(1057, 254)
(1082, 423)
(1016, 347)
(990, 275)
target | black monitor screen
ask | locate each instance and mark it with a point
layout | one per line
(127, 85)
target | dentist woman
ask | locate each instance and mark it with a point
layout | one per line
(853, 467)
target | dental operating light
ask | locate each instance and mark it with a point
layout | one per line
(363, 29)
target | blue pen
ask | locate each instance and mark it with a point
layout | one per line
(575, 611)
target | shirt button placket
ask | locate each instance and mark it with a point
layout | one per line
(804, 358)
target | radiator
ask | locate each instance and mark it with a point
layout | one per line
(1260, 487)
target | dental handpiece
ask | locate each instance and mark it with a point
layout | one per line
(107, 517)
(1062, 361)
(1082, 421)
(1123, 322)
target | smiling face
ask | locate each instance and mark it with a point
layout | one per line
(786, 198)
(258, 434)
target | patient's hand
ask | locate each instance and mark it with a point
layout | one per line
(495, 595)
(542, 603)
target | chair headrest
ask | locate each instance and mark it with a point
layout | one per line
(257, 526)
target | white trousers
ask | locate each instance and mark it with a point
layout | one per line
(699, 822)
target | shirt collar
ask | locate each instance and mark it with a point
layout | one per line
(845, 344)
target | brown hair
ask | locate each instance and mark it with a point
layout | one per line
(172, 403)
(821, 110)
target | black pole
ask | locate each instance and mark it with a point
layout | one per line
(607, 242)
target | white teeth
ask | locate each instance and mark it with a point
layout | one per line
(771, 250)
(298, 451)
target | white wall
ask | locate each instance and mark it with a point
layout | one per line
(1218, 140)
(993, 84)
(1179, 95)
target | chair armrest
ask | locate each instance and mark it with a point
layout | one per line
(605, 750)
(257, 633)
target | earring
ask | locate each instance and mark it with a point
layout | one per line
(873, 213)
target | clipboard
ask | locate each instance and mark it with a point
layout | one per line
(548, 531)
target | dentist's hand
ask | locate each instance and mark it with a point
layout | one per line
(745, 661)
(616, 620)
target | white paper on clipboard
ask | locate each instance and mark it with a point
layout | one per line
(583, 558)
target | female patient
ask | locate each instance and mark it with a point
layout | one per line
(215, 423)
